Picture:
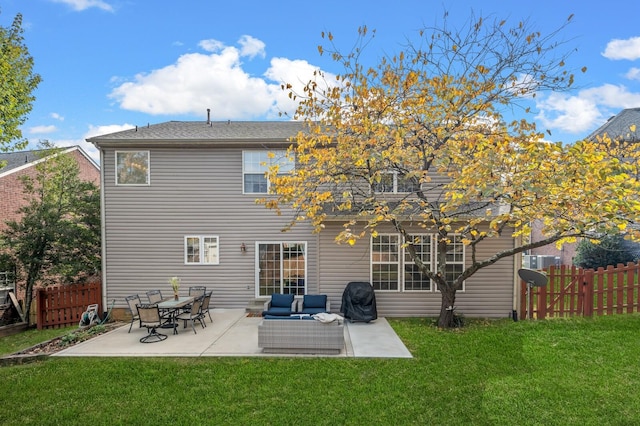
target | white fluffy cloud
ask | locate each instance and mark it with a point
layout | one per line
(584, 111)
(39, 130)
(95, 131)
(633, 74)
(623, 49)
(81, 5)
(215, 80)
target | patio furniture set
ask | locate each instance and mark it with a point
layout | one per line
(300, 326)
(304, 325)
(161, 312)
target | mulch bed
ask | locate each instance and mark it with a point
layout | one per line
(59, 343)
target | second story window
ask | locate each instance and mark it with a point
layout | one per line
(395, 182)
(254, 166)
(132, 167)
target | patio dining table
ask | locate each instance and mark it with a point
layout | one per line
(171, 307)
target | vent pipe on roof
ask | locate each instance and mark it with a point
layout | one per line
(208, 116)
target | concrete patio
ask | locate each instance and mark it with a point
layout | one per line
(233, 333)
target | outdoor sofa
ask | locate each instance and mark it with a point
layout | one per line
(286, 304)
(300, 334)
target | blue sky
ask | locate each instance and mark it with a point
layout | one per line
(109, 65)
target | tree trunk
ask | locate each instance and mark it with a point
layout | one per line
(447, 314)
(28, 298)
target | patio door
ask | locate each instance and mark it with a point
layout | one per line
(281, 268)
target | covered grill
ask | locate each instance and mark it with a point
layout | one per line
(359, 302)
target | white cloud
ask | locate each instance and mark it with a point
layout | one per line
(586, 110)
(80, 5)
(633, 74)
(216, 80)
(571, 114)
(89, 148)
(251, 47)
(56, 116)
(107, 129)
(39, 130)
(623, 49)
(211, 45)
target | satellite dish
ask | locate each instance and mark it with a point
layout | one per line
(533, 278)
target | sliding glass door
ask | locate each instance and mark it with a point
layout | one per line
(282, 268)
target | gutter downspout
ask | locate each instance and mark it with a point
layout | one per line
(103, 233)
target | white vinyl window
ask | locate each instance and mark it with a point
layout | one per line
(455, 258)
(282, 268)
(393, 268)
(394, 182)
(132, 168)
(201, 250)
(255, 164)
(385, 262)
(413, 278)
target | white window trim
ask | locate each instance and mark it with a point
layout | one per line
(394, 174)
(279, 153)
(401, 262)
(148, 167)
(371, 263)
(280, 242)
(201, 239)
(463, 263)
(431, 263)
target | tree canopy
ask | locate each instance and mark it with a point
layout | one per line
(58, 235)
(422, 142)
(17, 83)
(609, 250)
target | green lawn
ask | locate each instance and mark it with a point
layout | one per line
(555, 372)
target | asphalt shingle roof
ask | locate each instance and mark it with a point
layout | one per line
(618, 127)
(16, 159)
(203, 131)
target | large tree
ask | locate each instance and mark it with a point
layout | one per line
(422, 142)
(58, 235)
(17, 83)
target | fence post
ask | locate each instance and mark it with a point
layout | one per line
(587, 293)
(630, 275)
(40, 308)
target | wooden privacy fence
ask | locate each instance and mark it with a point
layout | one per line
(575, 291)
(64, 305)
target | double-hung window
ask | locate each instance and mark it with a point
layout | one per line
(394, 269)
(385, 262)
(413, 278)
(395, 182)
(256, 163)
(132, 168)
(201, 250)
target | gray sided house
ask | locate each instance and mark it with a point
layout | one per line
(179, 199)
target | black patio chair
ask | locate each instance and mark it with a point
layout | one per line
(197, 291)
(204, 308)
(155, 296)
(195, 314)
(132, 303)
(150, 318)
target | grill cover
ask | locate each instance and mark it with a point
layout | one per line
(359, 302)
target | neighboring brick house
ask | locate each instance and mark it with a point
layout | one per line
(18, 164)
(22, 163)
(619, 128)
